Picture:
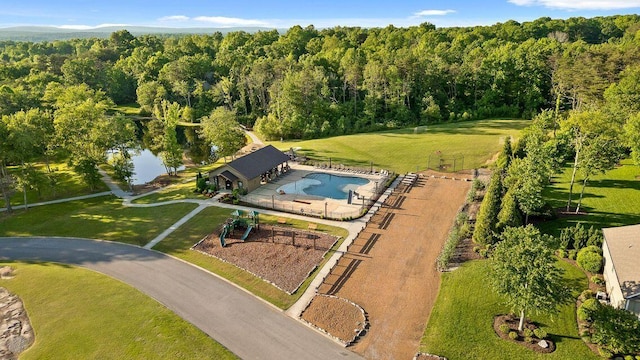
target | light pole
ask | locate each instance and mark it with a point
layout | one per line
(325, 209)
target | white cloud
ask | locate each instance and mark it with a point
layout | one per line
(230, 21)
(580, 4)
(174, 18)
(433, 13)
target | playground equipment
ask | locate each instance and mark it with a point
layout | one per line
(240, 219)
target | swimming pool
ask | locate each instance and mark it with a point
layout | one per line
(325, 185)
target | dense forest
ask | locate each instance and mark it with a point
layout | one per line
(310, 83)
(577, 77)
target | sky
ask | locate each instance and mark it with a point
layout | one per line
(83, 14)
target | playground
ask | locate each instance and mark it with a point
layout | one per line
(390, 271)
(283, 256)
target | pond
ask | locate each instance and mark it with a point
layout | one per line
(146, 166)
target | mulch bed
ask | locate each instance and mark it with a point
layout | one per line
(512, 321)
(336, 316)
(270, 253)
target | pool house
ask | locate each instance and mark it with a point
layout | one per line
(252, 170)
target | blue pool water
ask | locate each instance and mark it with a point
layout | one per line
(324, 185)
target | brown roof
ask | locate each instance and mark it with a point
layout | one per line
(624, 246)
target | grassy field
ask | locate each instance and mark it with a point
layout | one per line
(461, 324)
(69, 184)
(407, 149)
(99, 218)
(612, 199)
(80, 314)
(179, 243)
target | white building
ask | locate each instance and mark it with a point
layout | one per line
(621, 251)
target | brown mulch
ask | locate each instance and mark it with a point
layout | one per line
(512, 321)
(271, 254)
(343, 318)
(464, 252)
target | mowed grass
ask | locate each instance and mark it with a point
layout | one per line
(70, 184)
(612, 199)
(179, 244)
(461, 324)
(98, 218)
(80, 314)
(409, 149)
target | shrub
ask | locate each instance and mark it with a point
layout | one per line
(587, 294)
(527, 332)
(572, 254)
(540, 333)
(504, 328)
(597, 280)
(562, 254)
(605, 353)
(629, 357)
(201, 184)
(616, 330)
(587, 309)
(589, 259)
(513, 335)
(528, 339)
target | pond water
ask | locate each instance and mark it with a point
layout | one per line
(325, 185)
(146, 166)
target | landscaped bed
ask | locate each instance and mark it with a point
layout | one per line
(338, 317)
(282, 256)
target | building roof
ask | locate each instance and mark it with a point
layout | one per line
(258, 162)
(624, 246)
(228, 175)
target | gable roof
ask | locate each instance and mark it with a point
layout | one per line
(258, 162)
(624, 246)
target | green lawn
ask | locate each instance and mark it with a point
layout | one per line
(178, 191)
(98, 218)
(407, 149)
(612, 199)
(461, 327)
(180, 241)
(70, 184)
(81, 314)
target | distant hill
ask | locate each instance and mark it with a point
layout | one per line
(50, 33)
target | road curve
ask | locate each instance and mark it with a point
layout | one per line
(249, 327)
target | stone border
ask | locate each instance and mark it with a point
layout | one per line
(260, 277)
(355, 338)
(420, 355)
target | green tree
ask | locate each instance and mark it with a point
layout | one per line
(632, 136)
(28, 141)
(485, 228)
(523, 271)
(167, 143)
(220, 129)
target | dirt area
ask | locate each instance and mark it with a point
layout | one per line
(330, 312)
(390, 269)
(16, 334)
(282, 256)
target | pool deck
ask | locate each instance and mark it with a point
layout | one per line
(267, 195)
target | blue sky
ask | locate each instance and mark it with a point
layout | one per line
(286, 13)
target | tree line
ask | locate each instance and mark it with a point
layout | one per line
(309, 83)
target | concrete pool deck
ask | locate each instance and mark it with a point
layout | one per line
(267, 196)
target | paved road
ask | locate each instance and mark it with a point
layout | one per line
(249, 327)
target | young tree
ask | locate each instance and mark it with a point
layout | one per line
(484, 232)
(523, 271)
(220, 129)
(525, 179)
(170, 150)
(584, 127)
(7, 181)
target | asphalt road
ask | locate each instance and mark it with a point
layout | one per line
(249, 327)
